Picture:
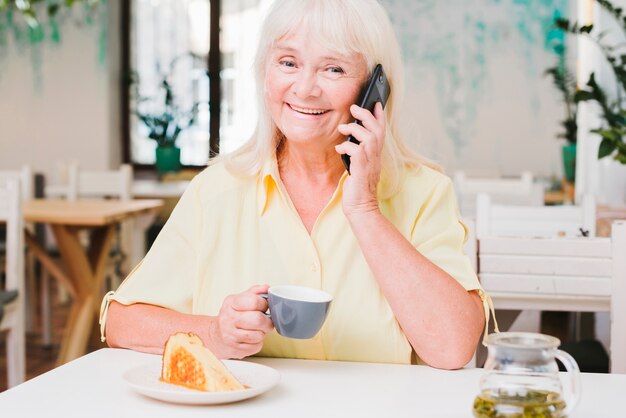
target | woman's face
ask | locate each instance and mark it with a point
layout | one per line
(309, 89)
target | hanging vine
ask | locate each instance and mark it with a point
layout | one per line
(30, 23)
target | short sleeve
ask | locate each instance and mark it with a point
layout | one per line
(439, 234)
(166, 276)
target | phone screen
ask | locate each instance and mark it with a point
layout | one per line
(376, 89)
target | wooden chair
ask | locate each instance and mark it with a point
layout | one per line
(563, 274)
(13, 318)
(510, 191)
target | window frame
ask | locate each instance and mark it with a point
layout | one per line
(214, 66)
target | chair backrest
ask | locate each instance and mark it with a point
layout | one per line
(563, 274)
(25, 177)
(100, 184)
(545, 267)
(11, 214)
(503, 190)
(534, 221)
(618, 298)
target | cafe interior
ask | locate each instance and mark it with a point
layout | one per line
(110, 108)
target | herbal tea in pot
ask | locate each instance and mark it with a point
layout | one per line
(521, 378)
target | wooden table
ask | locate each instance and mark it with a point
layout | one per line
(84, 266)
(93, 386)
(605, 216)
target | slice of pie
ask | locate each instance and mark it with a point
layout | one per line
(187, 362)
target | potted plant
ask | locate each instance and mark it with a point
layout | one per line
(612, 110)
(165, 118)
(565, 82)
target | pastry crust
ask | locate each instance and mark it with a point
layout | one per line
(187, 362)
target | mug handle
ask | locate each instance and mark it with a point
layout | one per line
(574, 385)
(265, 296)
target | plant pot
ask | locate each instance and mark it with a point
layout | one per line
(167, 159)
(569, 162)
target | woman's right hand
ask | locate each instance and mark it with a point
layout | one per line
(240, 327)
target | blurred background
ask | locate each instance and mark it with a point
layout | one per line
(529, 90)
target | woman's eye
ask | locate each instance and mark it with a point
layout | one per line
(336, 70)
(287, 63)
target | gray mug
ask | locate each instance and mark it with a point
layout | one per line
(297, 311)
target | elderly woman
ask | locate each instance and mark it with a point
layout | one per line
(385, 240)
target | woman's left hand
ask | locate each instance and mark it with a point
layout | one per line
(360, 188)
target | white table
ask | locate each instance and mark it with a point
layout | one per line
(92, 386)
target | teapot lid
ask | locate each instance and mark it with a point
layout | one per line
(522, 340)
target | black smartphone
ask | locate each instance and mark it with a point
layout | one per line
(376, 89)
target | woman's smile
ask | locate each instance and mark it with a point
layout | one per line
(309, 89)
(306, 113)
(307, 110)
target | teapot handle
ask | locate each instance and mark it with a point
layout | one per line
(574, 373)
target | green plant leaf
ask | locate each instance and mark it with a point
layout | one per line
(562, 23)
(610, 134)
(53, 8)
(583, 96)
(607, 147)
(586, 29)
(621, 157)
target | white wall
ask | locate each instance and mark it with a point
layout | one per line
(477, 94)
(73, 114)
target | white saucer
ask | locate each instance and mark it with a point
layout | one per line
(258, 378)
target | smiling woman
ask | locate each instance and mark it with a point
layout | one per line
(385, 240)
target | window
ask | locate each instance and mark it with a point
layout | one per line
(175, 37)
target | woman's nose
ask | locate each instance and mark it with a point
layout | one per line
(306, 84)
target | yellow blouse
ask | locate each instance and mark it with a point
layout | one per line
(229, 233)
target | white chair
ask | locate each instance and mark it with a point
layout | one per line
(534, 221)
(73, 182)
(115, 184)
(25, 176)
(578, 274)
(14, 312)
(503, 190)
(108, 184)
(531, 222)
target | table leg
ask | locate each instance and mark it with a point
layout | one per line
(48, 263)
(85, 270)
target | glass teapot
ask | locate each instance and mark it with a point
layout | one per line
(522, 378)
